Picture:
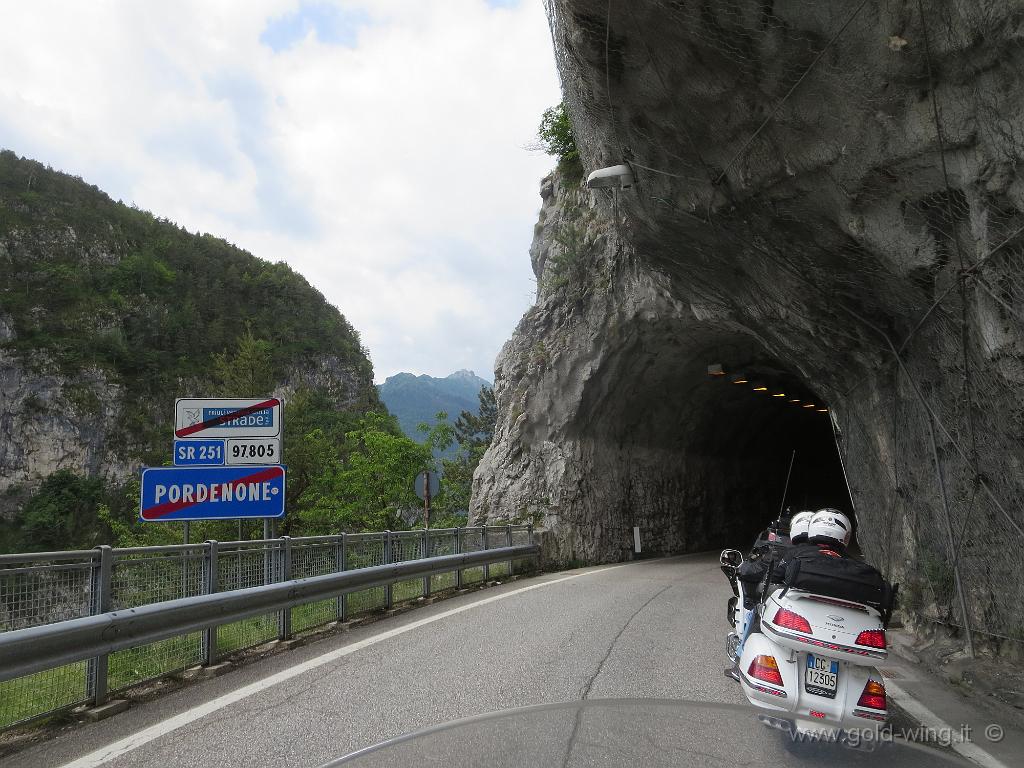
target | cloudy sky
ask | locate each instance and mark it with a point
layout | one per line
(376, 146)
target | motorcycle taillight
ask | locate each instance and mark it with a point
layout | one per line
(873, 695)
(790, 620)
(765, 668)
(873, 638)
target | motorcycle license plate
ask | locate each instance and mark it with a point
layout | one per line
(821, 676)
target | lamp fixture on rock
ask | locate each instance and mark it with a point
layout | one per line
(612, 177)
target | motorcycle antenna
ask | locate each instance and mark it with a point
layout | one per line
(789, 472)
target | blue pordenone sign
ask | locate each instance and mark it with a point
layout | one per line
(212, 493)
(192, 453)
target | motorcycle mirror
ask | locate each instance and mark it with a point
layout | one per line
(731, 557)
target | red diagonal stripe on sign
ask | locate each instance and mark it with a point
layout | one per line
(161, 510)
(218, 420)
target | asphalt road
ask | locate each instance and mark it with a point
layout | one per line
(650, 629)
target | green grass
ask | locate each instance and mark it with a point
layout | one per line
(54, 690)
(33, 695)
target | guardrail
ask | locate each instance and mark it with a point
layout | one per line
(76, 626)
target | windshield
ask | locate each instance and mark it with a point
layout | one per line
(654, 733)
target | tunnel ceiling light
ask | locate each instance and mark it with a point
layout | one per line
(715, 369)
(809, 405)
(794, 400)
(740, 379)
(760, 389)
(823, 410)
(779, 394)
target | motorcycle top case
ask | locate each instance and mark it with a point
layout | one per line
(807, 569)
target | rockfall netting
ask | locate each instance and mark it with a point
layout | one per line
(844, 181)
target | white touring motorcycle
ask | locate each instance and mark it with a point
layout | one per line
(805, 657)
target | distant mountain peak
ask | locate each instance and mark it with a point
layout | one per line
(467, 375)
(415, 399)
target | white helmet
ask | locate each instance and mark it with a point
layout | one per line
(829, 526)
(798, 525)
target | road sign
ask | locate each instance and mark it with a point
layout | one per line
(204, 418)
(257, 450)
(212, 493)
(192, 453)
(435, 483)
(234, 452)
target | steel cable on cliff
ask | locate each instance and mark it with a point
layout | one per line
(790, 92)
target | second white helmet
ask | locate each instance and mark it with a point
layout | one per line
(798, 525)
(829, 526)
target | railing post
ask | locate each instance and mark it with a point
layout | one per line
(210, 583)
(100, 578)
(339, 565)
(387, 561)
(508, 543)
(529, 540)
(425, 551)
(458, 551)
(284, 622)
(487, 567)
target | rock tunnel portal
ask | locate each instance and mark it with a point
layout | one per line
(696, 444)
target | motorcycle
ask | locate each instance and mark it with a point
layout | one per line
(805, 659)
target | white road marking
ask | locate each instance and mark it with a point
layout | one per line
(143, 737)
(929, 719)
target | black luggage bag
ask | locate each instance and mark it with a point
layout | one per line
(839, 577)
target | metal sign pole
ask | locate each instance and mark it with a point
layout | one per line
(426, 499)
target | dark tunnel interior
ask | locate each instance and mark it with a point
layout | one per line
(774, 438)
(696, 442)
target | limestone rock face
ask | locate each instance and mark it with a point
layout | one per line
(829, 202)
(108, 314)
(48, 423)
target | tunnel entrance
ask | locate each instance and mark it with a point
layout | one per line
(695, 443)
(773, 438)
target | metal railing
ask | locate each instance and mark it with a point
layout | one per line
(78, 626)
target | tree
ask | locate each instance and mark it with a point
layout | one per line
(557, 138)
(62, 514)
(370, 487)
(314, 438)
(473, 432)
(249, 372)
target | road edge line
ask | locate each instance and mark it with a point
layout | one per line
(140, 738)
(929, 719)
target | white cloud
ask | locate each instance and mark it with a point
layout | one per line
(384, 162)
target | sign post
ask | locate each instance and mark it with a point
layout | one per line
(427, 485)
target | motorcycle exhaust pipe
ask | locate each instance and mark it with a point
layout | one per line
(777, 723)
(732, 644)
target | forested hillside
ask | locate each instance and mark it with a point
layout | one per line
(93, 283)
(107, 314)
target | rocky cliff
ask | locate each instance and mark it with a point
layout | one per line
(107, 314)
(828, 202)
